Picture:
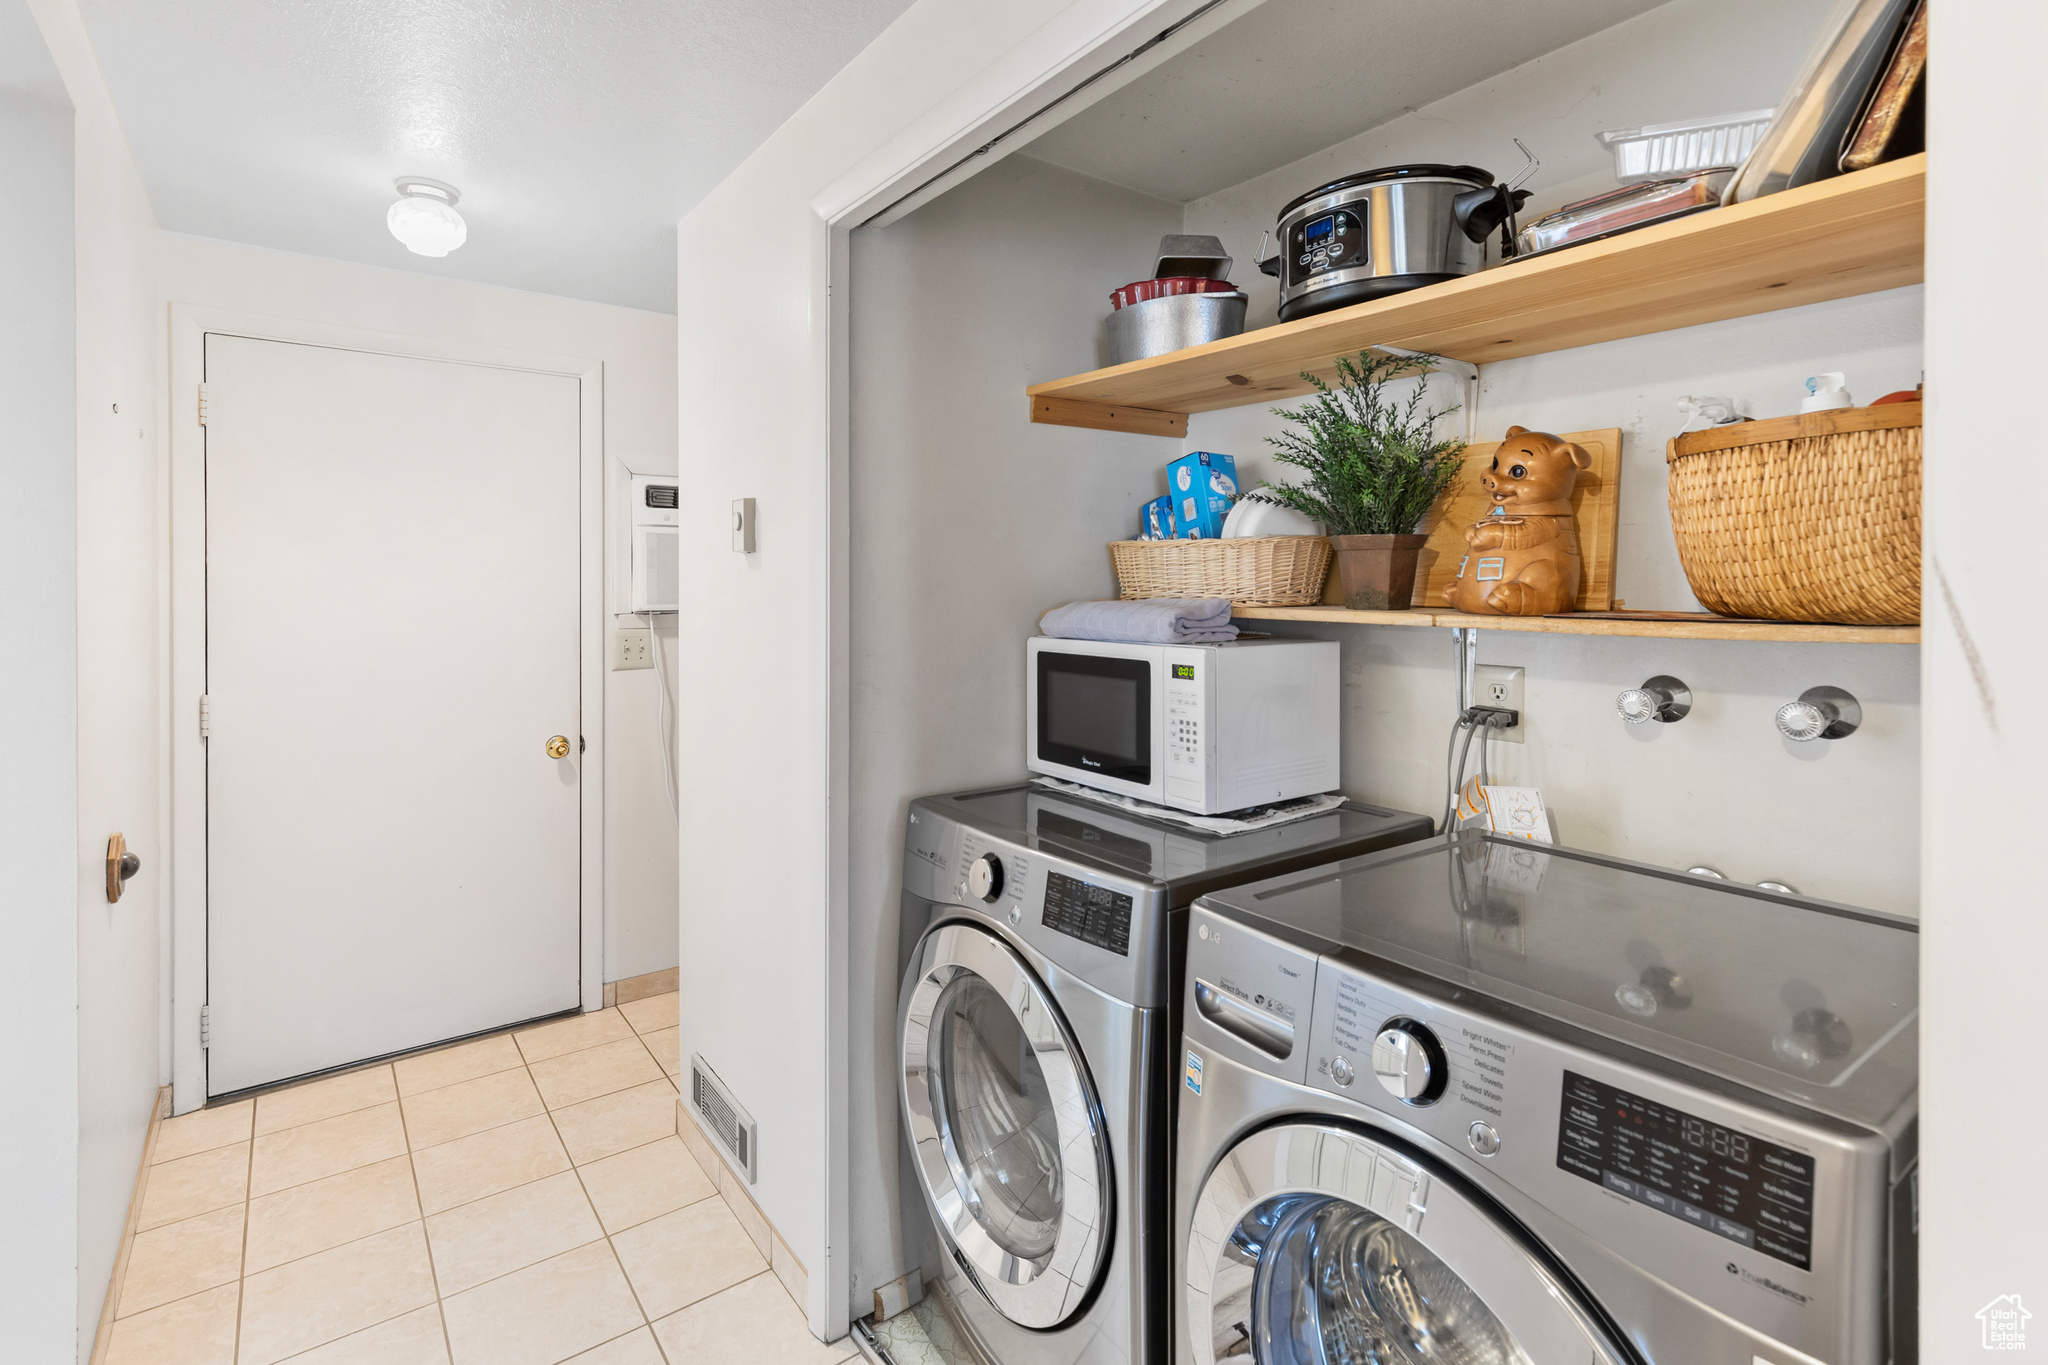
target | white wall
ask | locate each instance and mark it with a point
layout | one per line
(1836, 820)
(39, 1284)
(640, 825)
(107, 1030)
(638, 351)
(763, 980)
(965, 530)
(122, 1055)
(1983, 1187)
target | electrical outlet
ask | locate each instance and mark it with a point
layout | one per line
(1495, 685)
(632, 649)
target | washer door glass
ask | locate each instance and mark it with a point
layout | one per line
(1005, 1127)
(1318, 1245)
(998, 1114)
(1342, 1284)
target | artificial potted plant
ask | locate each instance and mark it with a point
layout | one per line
(1373, 468)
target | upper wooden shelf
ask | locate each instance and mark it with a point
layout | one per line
(1854, 234)
(1700, 629)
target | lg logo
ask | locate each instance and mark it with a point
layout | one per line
(1734, 1269)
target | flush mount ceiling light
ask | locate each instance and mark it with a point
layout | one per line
(425, 219)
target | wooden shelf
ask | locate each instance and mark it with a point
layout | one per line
(1854, 234)
(1594, 625)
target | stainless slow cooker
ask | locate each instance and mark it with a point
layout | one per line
(1379, 232)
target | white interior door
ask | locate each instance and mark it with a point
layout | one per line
(391, 641)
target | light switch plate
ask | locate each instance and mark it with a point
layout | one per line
(1498, 685)
(632, 648)
(743, 526)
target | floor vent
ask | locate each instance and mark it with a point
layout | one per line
(723, 1117)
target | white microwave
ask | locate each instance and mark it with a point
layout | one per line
(1202, 728)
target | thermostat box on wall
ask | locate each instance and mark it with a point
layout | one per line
(656, 559)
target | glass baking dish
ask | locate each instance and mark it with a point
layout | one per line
(1631, 206)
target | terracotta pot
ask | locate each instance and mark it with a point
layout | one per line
(1378, 572)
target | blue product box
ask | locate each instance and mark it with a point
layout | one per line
(1202, 485)
(1155, 520)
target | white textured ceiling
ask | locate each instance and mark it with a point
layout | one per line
(578, 131)
(1295, 76)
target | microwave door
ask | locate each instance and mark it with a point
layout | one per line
(1095, 717)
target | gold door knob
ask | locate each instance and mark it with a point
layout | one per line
(558, 747)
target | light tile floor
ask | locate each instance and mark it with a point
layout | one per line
(521, 1199)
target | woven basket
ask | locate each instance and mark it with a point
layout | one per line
(1808, 518)
(1258, 571)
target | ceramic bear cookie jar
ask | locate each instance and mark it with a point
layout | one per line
(1523, 559)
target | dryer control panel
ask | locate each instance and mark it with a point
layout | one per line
(1110, 932)
(1748, 1190)
(1100, 915)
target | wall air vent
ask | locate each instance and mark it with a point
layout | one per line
(723, 1118)
(661, 495)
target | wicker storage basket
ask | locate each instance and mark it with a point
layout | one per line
(1258, 571)
(1808, 518)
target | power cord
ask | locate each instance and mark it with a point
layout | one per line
(1482, 720)
(1454, 776)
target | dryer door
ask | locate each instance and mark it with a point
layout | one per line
(1005, 1126)
(1316, 1245)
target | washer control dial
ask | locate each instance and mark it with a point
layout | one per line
(1408, 1062)
(985, 878)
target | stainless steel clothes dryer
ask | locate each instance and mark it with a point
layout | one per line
(1477, 1100)
(1037, 1030)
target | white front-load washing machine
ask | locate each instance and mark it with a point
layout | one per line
(1037, 1030)
(1478, 1100)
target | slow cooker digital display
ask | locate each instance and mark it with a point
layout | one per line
(1330, 242)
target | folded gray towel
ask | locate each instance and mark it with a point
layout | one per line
(1151, 621)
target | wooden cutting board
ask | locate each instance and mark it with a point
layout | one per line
(1596, 509)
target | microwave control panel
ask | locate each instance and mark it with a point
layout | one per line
(1183, 721)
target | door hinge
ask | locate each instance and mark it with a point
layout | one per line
(206, 1026)
(205, 717)
(203, 395)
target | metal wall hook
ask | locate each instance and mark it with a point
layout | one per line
(1662, 698)
(1820, 713)
(1658, 988)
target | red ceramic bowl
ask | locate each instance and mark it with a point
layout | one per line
(1143, 291)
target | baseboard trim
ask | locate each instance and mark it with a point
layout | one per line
(633, 988)
(103, 1337)
(733, 1189)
